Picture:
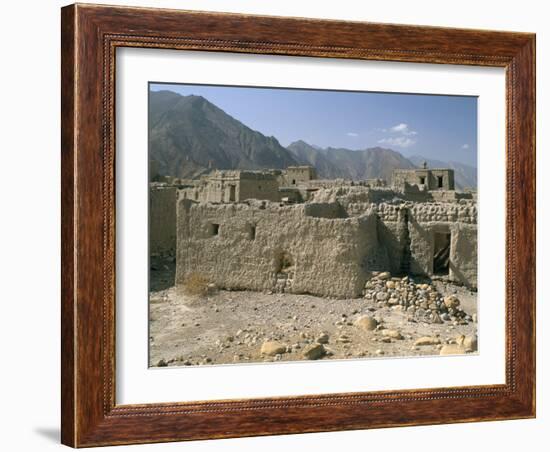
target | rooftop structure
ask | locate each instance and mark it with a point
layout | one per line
(426, 178)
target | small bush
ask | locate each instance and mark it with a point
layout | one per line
(196, 284)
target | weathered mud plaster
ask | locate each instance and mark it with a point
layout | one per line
(328, 256)
(245, 230)
(162, 219)
(331, 251)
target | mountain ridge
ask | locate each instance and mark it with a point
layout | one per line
(189, 136)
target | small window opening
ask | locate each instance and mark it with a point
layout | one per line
(293, 181)
(214, 229)
(422, 181)
(439, 181)
(251, 229)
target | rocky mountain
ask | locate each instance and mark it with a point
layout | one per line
(188, 135)
(349, 164)
(465, 175)
(307, 154)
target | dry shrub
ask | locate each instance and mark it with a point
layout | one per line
(196, 285)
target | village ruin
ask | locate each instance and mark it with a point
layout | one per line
(287, 231)
(295, 267)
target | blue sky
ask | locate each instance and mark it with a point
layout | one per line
(436, 127)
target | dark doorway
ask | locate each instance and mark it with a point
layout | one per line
(284, 263)
(231, 193)
(439, 181)
(442, 252)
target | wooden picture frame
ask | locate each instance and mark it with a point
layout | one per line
(90, 36)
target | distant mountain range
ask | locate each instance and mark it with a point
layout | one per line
(189, 136)
(333, 163)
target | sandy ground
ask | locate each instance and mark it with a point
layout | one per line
(231, 326)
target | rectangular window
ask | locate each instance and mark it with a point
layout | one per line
(422, 180)
(439, 181)
(251, 231)
(214, 229)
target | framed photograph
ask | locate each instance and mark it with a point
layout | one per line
(282, 225)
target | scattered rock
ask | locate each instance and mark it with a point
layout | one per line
(427, 340)
(323, 338)
(451, 302)
(162, 363)
(384, 275)
(343, 339)
(436, 318)
(366, 322)
(394, 334)
(470, 343)
(314, 351)
(452, 349)
(272, 348)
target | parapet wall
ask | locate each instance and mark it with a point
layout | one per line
(465, 212)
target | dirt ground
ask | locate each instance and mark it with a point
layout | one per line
(243, 326)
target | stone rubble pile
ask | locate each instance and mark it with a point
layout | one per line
(419, 299)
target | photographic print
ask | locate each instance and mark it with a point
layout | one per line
(298, 224)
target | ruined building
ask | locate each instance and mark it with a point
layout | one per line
(429, 179)
(330, 241)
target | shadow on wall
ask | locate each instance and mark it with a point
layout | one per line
(329, 210)
(458, 276)
(389, 241)
(420, 238)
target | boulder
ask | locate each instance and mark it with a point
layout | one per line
(316, 351)
(451, 302)
(452, 349)
(427, 340)
(470, 343)
(323, 338)
(393, 334)
(272, 348)
(366, 322)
